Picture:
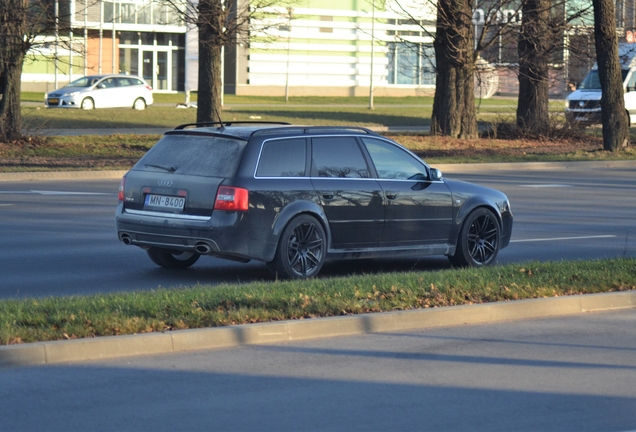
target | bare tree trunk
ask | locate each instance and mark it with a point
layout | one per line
(533, 49)
(12, 51)
(454, 105)
(210, 48)
(613, 114)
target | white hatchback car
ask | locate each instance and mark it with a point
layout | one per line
(102, 91)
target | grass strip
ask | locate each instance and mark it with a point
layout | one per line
(406, 111)
(57, 318)
(121, 151)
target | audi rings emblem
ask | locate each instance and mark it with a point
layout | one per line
(165, 183)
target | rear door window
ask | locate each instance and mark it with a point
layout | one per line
(338, 157)
(194, 155)
(283, 158)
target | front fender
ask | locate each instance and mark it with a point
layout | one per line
(468, 205)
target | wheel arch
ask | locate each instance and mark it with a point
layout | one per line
(143, 99)
(291, 211)
(91, 98)
(468, 207)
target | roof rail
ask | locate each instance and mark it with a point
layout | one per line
(229, 123)
(310, 129)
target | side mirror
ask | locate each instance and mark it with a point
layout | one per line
(436, 174)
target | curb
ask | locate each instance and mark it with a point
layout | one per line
(446, 168)
(54, 352)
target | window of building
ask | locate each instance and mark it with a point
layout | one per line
(326, 29)
(411, 64)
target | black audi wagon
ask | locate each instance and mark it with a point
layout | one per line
(297, 196)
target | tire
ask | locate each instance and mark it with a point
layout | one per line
(172, 259)
(301, 249)
(139, 104)
(478, 241)
(88, 104)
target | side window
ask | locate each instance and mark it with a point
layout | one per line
(123, 82)
(108, 83)
(391, 162)
(338, 157)
(283, 158)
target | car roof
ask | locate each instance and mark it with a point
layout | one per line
(111, 75)
(245, 130)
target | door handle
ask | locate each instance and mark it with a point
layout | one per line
(327, 195)
(391, 195)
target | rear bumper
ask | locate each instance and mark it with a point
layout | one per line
(225, 234)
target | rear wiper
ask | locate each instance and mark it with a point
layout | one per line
(165, 168)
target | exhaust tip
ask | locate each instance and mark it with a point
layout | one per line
(202, 248)
(125, 238)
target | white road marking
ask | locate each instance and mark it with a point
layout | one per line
(6, 205)
(545, 186)
(562, 238)
(68, 193)
(39, 192)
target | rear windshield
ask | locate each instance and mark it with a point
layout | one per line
(194, 155)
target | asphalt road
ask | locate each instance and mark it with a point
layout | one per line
(58, 237)
(574, 373)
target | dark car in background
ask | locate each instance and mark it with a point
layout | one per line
(102, 91)
(297, 196)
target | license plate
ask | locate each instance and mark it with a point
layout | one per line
(164, 202)
(581, 118)
(54, 100)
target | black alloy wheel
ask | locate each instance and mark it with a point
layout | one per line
(172, 259)
(301, 249)
(478, 242)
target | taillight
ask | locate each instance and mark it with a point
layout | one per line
(122, 185)
(232, 199)
(149, 88)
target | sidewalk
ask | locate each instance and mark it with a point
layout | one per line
(294, 330)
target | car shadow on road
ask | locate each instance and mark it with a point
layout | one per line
(215, 271)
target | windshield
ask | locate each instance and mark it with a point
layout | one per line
(593, 82)
(83, 82)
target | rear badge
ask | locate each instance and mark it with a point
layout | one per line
(164, 183)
